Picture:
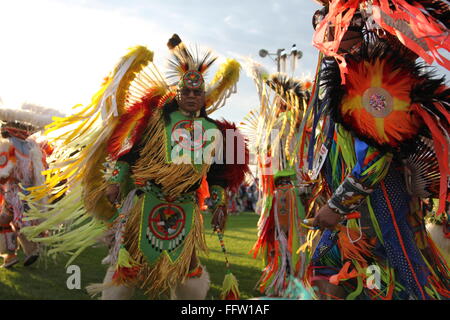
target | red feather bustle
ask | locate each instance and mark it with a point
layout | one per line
(132, 124)
(233, 173)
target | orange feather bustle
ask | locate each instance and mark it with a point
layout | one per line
(400, 124)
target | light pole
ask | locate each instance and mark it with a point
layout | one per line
(281, 57)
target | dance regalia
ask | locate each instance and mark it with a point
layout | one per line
(389, 148)
(23, 153)
(273, 129)
(154, 152)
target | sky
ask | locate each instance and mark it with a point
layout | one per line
(56, 53)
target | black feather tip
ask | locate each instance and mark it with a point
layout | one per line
(174, 41)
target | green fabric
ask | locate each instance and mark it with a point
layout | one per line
(180, 121)
(164, 225)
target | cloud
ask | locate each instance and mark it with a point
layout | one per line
(276, 7)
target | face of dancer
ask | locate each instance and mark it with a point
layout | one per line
(191, 100)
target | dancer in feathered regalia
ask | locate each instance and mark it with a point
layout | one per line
(387, 148)
(163, 157)
(273, 131)
(23, 153)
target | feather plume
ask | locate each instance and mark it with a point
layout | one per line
(233, 174)
(223, 85)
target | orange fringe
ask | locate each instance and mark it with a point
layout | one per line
(357, 251)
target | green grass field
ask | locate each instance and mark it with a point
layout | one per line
(48, 282)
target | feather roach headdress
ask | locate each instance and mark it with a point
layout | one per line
(282, 103)
(188, 68)
(287, 87)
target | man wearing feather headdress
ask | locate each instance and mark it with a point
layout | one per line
(23, 155)
(272, 130)
(159, 137)
(388, 147)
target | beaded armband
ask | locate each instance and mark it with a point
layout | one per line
(120, 172)
(218, 196)
(349, 196)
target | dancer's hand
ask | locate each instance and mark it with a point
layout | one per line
(112, 193)
(326, 218)
(219, 218)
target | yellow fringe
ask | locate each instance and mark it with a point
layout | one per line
(125, 260)
(159, 278)
(153, 163)
(95, 186)
(90, 132)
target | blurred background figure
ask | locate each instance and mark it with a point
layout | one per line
(23, 153)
